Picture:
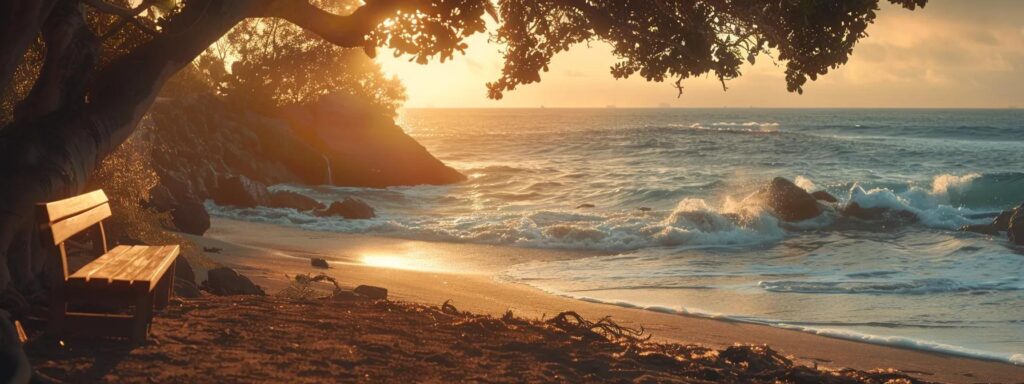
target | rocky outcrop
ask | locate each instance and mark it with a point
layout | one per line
(786, 200)
(364, 145)
(350, 208)
(299, 202)
(224, 281)
(240, 191)
(201, 139)
(206, 148)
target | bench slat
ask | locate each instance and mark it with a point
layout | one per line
(71, 226)
(117, 263)
(61, 209)
(156, 269)
(149, 268)
(133, 262)
(171, 254)
(91, 268)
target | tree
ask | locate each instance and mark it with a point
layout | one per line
(83, 105)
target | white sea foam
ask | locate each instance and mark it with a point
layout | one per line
(912, 287)
(906, 342)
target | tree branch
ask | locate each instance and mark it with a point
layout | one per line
(348, 31)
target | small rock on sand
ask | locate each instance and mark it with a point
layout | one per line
(224, 281)
(318, 263)
(371, 292)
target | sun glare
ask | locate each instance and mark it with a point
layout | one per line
(406, 261)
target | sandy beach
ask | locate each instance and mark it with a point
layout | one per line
(431, 273)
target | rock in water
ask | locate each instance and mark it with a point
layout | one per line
(299, 202)
(350, 208)
(825, 196)
(371, 292)
(240, 191)
(225, 281)
(1002, 222)
(984, 229)
(788, 201)
(883, 214)
(585, 206)
(1015, 229)
(319, 263)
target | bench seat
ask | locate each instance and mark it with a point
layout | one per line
(131, 267)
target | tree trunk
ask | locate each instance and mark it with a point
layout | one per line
(51, 150)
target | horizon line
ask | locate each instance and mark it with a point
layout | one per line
(1007, 108)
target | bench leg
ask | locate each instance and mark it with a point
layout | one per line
(143, 316)
(165, 287)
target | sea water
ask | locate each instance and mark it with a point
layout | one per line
(667, 189)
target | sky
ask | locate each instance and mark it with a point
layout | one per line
(951, 54)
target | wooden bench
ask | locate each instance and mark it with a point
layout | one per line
(128, 275)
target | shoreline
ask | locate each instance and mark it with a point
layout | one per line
(430, 273)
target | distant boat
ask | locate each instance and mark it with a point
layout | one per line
(610, 106)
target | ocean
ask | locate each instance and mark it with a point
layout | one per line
(658, 192)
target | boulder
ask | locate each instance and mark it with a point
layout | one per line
(371, 292)
(183, 269)
(824, 196)
(188, 214)
(299, 202)
(1015, 228)
(350, 208)
(879, 214)
(186, 288)
(788, 201)
(240, 191)
(319, 263)
(185, 279)
(224, 281)
(191, 217)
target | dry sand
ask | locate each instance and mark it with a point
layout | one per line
(431, 273)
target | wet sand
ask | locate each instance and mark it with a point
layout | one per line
(431, 273)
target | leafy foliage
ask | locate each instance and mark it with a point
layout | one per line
(127, 176)
(663, 39)
(264, 63)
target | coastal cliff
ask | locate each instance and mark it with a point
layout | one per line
(199, 142)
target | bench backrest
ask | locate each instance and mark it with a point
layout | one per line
(59, 220)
